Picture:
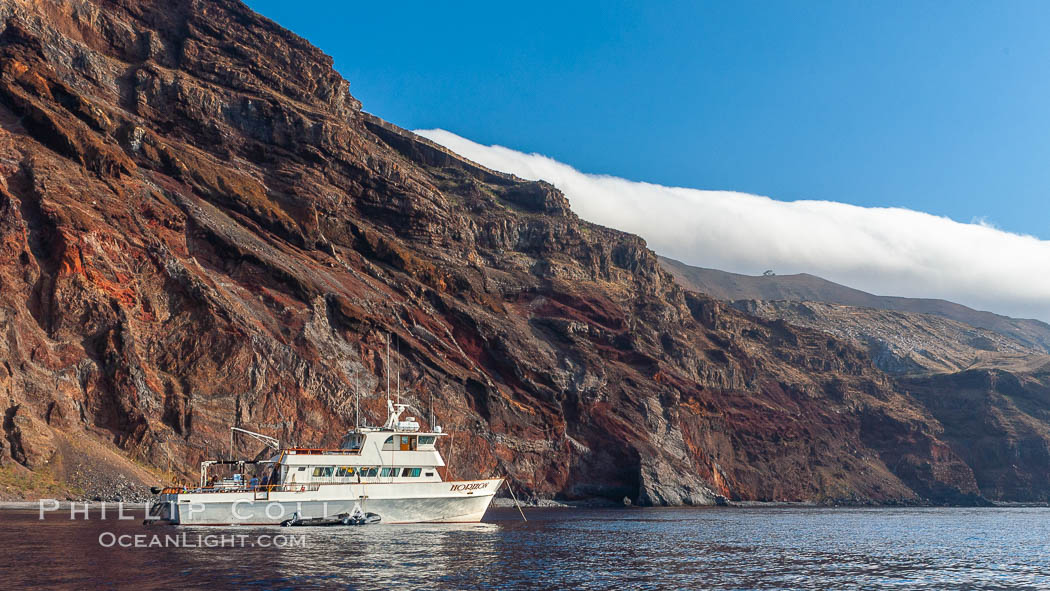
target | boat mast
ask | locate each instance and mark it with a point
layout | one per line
(397, 360)
(357, 401)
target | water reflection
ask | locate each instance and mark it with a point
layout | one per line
(380, 557)
(557, 549)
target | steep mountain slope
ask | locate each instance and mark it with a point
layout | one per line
(989, 388)
(803, 287)
(999, 422)
(906, 343)
(200, 228)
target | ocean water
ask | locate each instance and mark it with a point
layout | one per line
(702, 548)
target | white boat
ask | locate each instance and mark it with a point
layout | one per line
(394, 471)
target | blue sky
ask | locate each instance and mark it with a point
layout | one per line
(936, 106)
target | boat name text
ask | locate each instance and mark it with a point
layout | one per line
(470, 486)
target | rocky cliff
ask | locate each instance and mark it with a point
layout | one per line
(984, 377)
(907, 343)
(999, 423)
(1033, 335)
(200, 228)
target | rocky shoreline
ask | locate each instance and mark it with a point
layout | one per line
(507, 503)
(601, 502)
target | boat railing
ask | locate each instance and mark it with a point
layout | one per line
(326, 451)
(289, 487)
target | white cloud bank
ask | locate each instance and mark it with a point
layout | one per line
(887, 251)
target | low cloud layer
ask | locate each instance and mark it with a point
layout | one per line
(887, 251)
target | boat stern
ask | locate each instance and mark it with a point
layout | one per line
(164, 508)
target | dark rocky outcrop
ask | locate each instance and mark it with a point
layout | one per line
(986, 383)
(199, 227)
(999, 423)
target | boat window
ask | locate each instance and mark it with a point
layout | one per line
(415, 472)
(321, 471)
(385, 472)
(373, 471)
(426, 439)
(429, 474)
(301, 468)
(345, 471)
(355, 442)
(389, 440)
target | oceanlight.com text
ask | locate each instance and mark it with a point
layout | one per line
(188, 540)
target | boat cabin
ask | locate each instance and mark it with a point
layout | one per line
(395, 452)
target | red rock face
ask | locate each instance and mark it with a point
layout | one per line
(199, 228)
(997, 422)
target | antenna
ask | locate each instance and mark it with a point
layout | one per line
(357, 400)
(387, 369)
(270, 441)
(398, 361)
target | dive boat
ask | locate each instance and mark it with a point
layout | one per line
(394, 471)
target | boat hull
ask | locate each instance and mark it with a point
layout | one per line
(435, 502)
